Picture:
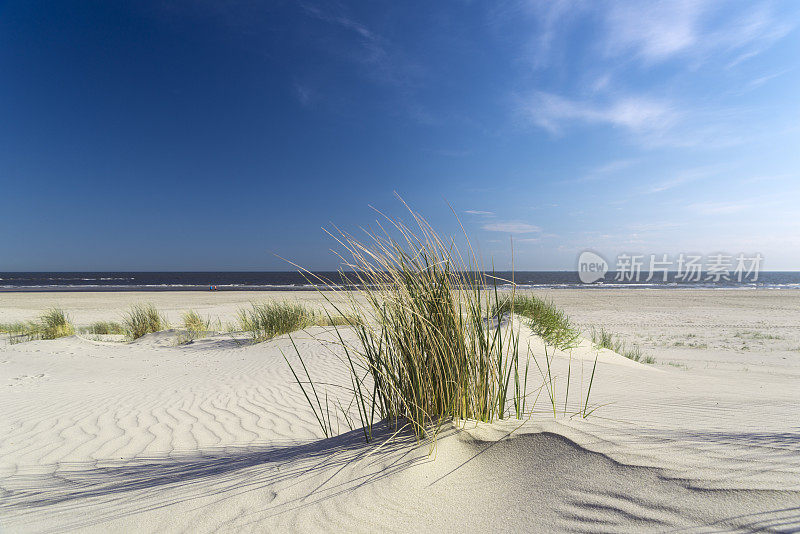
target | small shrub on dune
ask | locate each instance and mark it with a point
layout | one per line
(143, 319)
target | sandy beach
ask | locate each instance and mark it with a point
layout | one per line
(215, 435)
(470, 267)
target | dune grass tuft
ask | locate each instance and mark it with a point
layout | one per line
(55, 323)
(194, 323)
(13, 328)
(430, 347)
(196, 327)
(603, 339)
(104, 327)
(546, 320)
(143, 319)
(52, 324)
(270, 319)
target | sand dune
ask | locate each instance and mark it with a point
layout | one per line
(215, 435)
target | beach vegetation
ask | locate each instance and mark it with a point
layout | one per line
(13, 328)
(143, 319)
(430, 345)
(270, 319)
(195, 327)
(193, 322)
(55, 323)
(103, 328)
(755, 334)
(545, 319)
(690, 344)
(267, 320)
(52, 324)
(604, 339)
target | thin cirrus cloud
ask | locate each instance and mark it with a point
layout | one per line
(685, 177)
(511, 227)
(718, 208)
(480, 213)
(645, 32)
(603, 172)
(658, 31)
(382, 60)
(653, 31)
(636, 114)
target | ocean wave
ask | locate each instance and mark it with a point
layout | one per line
(294, 281)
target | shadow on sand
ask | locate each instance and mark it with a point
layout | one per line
(131, 485)
(551, 480)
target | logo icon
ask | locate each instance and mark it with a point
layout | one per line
(591, 267)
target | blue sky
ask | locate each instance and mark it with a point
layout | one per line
(201, 136)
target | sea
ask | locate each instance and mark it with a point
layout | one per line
(295, 281)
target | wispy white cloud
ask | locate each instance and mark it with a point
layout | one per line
(613, 166)
(511, 227)
(636, 114)
(649, 122)
(304, 94)
(340, 19)
(684, 177)
(480, 213)
(652, 31)
(698, 29)
(776, 204)
(379, 59)
(551, 18)
(696, 32)
(718, 208)
(604, 171)
(752, 33)
(655, 226)
(371, 49)
(755, 83)
(760, 178)
(451, 153)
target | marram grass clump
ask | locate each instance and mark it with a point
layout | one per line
(13, 328)
(104, 327)
(52, 324)
(545, 319)
(55, 323)
(143, 319)
(195, 327)
(194, 323)
(430, 346)
(268, 320)
(265, 321)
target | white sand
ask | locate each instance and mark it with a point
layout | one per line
(215, 435)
